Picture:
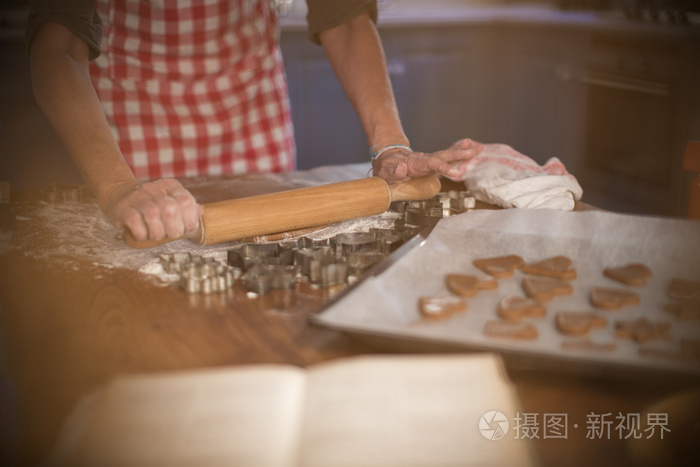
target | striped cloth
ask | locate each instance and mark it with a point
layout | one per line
(195, 87)
(502, 176)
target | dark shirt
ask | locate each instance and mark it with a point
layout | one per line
(327, 14)
(81, 18)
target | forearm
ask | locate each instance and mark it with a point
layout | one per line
(63, 90)
(356, 55)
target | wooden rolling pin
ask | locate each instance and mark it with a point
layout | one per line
(284, 211)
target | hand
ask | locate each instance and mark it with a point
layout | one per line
(152, 210)
(399, 165)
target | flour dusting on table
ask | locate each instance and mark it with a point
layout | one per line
(74, 233)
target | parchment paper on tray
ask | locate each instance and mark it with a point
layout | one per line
(387, 304)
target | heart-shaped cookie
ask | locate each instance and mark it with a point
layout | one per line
(558, 267)
(468, 285)
(579, 323)
(642, 330)
(544, 288)
(683, 288)
(499, 266)
(517, 308)
(510, 330)
(612, 299)
(635, 274)
(440, 307)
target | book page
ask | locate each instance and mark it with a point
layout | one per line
(408, 411)
(242, 416)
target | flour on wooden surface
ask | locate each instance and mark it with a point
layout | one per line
(79, 232)
(74, 233)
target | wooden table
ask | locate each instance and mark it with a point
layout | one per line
(68, 327)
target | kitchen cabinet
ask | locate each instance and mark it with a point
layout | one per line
(637, 105)
(541, 114)
(614, 106)
(441, 85)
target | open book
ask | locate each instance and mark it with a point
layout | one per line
(393, 411)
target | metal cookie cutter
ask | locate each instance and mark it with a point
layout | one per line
(346, 243)
(461, 201)
(388, 240)
(250, 254)
(320, 266)
(306, 242)
(455, 202)
(291, 244)
(261, 278)
(310, 261)
(398, 206)
(425, 205)
(360, 261)
(199, 274)
(443, 200)
(207, 279)
(407, 231)
(335, 273)
(175, 263)
(422, 218)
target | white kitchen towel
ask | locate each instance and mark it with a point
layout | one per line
(502, 176)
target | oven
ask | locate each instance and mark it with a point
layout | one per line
(635, 106)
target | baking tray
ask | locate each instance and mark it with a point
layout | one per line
(385, 305)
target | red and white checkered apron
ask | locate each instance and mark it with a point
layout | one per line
(195, 87)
